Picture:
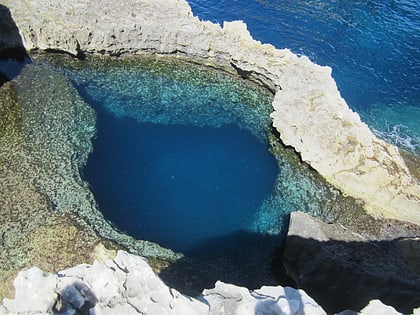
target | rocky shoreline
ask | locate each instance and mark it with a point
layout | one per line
(308, 113)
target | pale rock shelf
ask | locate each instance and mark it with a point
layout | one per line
(127, 285)
(308, 111)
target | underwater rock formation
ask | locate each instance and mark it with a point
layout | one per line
(309, 112)
(127, 285)
(48, 214)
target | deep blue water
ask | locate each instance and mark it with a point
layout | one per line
(178, 185)
(373, 47)
(181, 156)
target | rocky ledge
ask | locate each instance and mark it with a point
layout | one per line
(341, 269)
(309, 112)
(127, 285)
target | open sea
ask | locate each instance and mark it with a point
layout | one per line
(373, 47)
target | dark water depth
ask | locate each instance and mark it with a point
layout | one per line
(178, 185)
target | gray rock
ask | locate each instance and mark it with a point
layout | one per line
(34, 291)
(73, 291)
(341, 270)
(11, 44)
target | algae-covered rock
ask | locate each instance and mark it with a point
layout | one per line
(48, 216)
(31, 231)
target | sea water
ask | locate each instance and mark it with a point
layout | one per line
(372, 46)
(178, 185)
(181, 156)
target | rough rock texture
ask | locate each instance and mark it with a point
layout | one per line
(29, 155)
(309, 112)
(341, 270)
(127, 285)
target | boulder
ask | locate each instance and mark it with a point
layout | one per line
(343, 270)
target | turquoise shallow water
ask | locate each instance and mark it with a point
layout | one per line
(181, 155)
(372, 46)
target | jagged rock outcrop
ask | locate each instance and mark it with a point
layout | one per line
(342, 270)
(127, 285)
(309, 112)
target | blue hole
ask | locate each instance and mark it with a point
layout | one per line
(178, 185)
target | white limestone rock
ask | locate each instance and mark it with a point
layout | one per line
(34, 291)
(127, 285)
(230, 299)
(375, 307)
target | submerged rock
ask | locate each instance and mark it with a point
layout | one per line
(48, 214)
(343, 270)
(35, 154)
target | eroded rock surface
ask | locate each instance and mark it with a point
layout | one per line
(127, 285)
(309, 112)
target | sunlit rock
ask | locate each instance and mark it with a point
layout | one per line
(127, 285)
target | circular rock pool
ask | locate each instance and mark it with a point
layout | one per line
(185, 156)
(178, 185)
(181, 155)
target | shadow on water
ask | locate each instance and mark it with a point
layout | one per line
(242, 258)
(13, 56)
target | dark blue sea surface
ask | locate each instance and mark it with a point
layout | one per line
(373, 47)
